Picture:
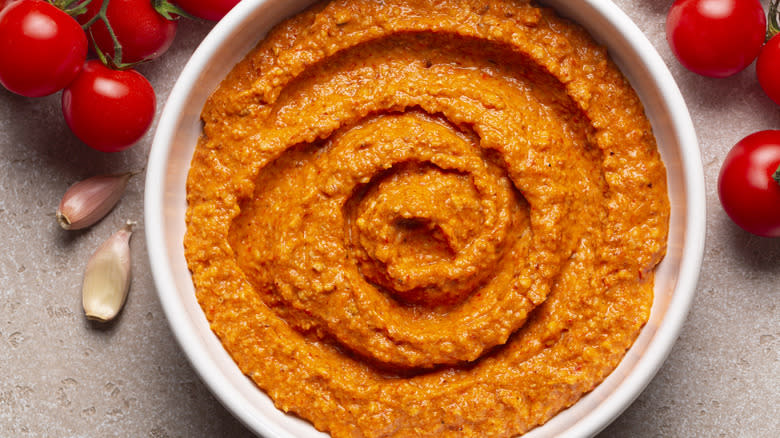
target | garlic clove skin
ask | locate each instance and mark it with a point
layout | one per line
(107, 277)
(88, 201)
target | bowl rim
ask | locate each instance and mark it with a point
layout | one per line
(594, 421)
(664, 338)
(180, 325)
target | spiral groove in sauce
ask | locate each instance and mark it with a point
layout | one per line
(426, 218)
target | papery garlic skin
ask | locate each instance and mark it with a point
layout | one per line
(88, 201)
(107, 277)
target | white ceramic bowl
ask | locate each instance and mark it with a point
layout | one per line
(180, 126)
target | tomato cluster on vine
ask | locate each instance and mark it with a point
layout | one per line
(106, 103)
(719, 38)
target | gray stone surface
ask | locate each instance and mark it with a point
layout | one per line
(61, 376)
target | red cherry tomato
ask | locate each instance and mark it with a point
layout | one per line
(107, 109)
(768, 68)
(748, 192)
(42, 48)
(716, 38)
(142, 32)
(212, 10)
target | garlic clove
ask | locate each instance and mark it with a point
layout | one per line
(88, 201)
(107, 277)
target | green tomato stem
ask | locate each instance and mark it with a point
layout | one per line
(68, 6)
(97, 16)
(773, 20)
(116, 60)
(776, 175)
(169, 10)
(113, 62)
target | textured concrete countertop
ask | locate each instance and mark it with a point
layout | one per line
(61, 376)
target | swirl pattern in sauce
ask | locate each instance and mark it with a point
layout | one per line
(426, 218)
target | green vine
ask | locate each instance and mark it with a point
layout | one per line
(170, 11)
(74, 8)
(773, 20)
(115, 61)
